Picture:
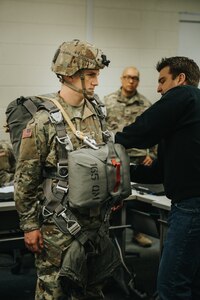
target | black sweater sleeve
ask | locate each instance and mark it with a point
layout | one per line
(156, 122)
(148, 175)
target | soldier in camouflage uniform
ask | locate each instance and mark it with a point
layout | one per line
(7, 164)
(123, 107)
(84, 268)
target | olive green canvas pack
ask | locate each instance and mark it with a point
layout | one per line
(95, 176)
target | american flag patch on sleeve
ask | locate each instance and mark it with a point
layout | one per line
(27, 133)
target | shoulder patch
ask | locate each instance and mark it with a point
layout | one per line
(27, 133)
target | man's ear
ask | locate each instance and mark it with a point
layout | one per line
(182, 79)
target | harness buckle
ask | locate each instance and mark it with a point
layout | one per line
(65, 140)
(55, 116)
(62, 188)
(108, 135)
(46, 213)
(72, 225)
(62, 170)
(90, 142)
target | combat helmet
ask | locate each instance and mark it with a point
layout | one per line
(77, 55)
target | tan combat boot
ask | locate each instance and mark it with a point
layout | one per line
(141, 240)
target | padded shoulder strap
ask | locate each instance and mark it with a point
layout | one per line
(30, 106)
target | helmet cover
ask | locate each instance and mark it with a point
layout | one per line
(77, 55)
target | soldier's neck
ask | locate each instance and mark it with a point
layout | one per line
(127, 93)
(71, 97)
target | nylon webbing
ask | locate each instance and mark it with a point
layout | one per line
(53, 206)
(67, 119)
(30, 106)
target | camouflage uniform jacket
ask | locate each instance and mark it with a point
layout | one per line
(39, 150)
(7, 164)
(121, 111)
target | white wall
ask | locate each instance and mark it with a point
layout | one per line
(130, 32)
(189, 44)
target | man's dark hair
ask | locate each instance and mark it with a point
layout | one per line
(181, 64)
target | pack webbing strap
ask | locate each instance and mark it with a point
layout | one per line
(89, 142)
(80, 135)
(30, 106)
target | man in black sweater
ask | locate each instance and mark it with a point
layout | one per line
(173, 123)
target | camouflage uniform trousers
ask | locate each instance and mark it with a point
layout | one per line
(49, 263)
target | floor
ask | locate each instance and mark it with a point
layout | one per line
(142, 263)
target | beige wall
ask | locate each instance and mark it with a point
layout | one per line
(130, 32)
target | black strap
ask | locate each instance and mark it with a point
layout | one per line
(30, 106)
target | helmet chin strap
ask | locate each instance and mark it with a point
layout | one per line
(88, 95)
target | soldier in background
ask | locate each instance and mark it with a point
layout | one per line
(123, 107)
(7, 164)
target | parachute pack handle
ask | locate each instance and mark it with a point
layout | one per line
(115, 162)
(89, 142)
(117, 166)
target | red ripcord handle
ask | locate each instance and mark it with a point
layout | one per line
(117, 165)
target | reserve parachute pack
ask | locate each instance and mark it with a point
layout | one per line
(97, 175)
(90, 176)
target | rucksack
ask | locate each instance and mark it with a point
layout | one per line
(18, 113)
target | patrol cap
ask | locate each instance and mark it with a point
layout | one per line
(77, 55)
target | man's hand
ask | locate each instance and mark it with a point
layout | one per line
(147, 161)
(34, 241)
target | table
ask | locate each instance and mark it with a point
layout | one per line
(6, 193)
(11, 237)
(7, 206)
(163, 203)
(6, 198)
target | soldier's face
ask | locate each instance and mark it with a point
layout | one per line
(90, 80)
(130, 80)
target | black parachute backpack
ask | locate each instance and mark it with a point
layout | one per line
(18, 113)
